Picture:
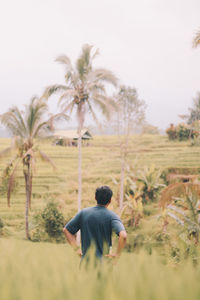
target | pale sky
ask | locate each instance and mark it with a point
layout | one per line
(146, 43)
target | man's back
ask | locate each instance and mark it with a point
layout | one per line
(96, 225)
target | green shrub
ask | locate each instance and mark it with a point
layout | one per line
(171, 132)
(181, 132)
(1, 224)
(184, 132)
(48, 224)
(53, 220)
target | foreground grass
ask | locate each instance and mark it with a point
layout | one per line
(48, 271)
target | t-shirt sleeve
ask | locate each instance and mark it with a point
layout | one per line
(73, 225)
(116, 224)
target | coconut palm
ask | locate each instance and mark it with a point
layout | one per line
(25, 126)
(196, 40)
(84, 88)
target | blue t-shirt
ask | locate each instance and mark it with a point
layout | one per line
(96, 225)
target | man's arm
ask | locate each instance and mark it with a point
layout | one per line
(121, 242)
(119, 229)
(71, 238)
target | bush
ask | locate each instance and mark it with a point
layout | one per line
(48, 224)
(171, 132)
(1, 224)
(53, 220)
(181, 132)
(184, 132)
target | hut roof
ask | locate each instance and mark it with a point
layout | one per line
(72, 134)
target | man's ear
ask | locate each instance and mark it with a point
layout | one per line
(108, 203)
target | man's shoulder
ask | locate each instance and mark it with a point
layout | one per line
(87, 210)
(113, 214)
(104, 211)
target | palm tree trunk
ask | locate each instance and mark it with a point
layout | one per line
(124, 147)
(121, 194)
(80, 126)
(27, 177)
(30, 190)
(79, 168)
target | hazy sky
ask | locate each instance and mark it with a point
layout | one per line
(146, 43)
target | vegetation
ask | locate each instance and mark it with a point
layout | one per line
(196, 40)
(53, 272)
(26, 126)
(84, 88)
(182, 132)
(130, 114)
(62, 184)
(194, 111)
(49, 224)
(154, 245)
(1, 224)
(163, 226)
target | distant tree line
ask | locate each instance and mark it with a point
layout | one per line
(190, 128)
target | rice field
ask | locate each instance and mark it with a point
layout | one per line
(101, 163)
(52, 271)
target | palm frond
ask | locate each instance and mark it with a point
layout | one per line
(102, 105)
(34, 113)
(46, 158)
(56, 118)
(84, 63)
(53, 89)
(41, 129)
(92, 112)
(65, 60)
(106, 104)
(11, 181)
(178, 220)
(102, 75)
(196, 40)
(68, 107)
(14, 122)
(67, 96)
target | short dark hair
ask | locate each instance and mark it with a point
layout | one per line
(103, 195)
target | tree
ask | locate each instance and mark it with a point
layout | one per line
(131, 113)
(194, 112)
(84, 88)
(196, 40)
(25, 127)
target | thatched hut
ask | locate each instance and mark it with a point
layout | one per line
(70, 137)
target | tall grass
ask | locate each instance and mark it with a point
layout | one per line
(48, 271)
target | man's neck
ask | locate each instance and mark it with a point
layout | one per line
(101, 205)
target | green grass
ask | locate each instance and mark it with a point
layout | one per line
(48, 271)
(51, 271)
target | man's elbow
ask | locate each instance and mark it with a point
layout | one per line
(64, 229)
(123, 235)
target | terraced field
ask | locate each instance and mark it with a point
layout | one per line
(101, 162)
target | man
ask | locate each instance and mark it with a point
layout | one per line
(96, 225)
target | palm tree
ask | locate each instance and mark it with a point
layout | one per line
(84, 87)
(25, 127)
(196, 40)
